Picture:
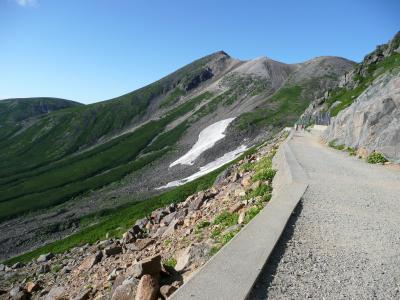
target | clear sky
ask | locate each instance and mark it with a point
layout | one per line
(87, 50)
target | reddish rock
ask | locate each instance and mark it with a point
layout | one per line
(90, 261)
(151, 266)
(148, 288)
(236, 207)
(32, 287)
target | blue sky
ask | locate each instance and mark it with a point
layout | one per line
(87, 50)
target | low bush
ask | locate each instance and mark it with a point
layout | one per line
(376, 158)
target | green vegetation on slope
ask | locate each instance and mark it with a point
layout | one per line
(172, 97)
(282, 109)
(54, 184)
(16, 110)
(116, 221)
(65, 132)
(347, 96)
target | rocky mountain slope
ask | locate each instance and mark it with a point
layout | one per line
(78, 164)
(354, 82)
(372, 122)
(160, 252)
(16, 114)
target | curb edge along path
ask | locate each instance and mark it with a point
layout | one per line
(232, 272)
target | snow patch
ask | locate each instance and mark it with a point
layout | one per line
(227, 157)
(207, 139)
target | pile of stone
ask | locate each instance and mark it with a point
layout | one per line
(152, 259)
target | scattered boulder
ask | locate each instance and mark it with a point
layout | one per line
(241, 217)
(45, 257)
(112, 250)
(158, 214)
(84, 295)
(151, 266)
(141, 223)
(167, 290)
(32, 287)
(19, 293)
(148, 288)
(57, 293)
(17, 265)
(239, 192)
(196, 253)
(2, 267)
(172, 226)
(197, 202)
(168, 218)
(222, 177)
(43, 269)
(181, 213)
(125, 291)
(238, 206)
(103, 244)
(90, 261)
(256, 185)
(246, 182)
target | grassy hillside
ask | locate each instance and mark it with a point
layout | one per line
(65, 132)
(115, 222)
(58, 182)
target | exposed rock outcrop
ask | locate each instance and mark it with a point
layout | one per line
(372, 122)
(162, 251)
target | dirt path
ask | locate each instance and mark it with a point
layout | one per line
(343, 240)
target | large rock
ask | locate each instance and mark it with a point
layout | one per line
(90, 261)
(125, 291)
(45, 257)
(32, 287)
(43, 269)
(372, 122)
(19, 293)
(195, 254)
(112, 250)
(197, 202)
(151, 265)
(148, 288)
(172, 226)
(57, 293)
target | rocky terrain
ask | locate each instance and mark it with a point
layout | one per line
(160, 252)
(363, 109)
(372, 122)
(118, 152)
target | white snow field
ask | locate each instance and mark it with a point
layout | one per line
(207, 139)
(227, 157)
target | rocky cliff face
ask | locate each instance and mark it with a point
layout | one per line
(341, 95)
(372, 122)
(367, 104)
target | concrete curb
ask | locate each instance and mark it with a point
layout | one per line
(232, 272)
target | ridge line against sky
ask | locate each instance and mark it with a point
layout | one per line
(90, 51)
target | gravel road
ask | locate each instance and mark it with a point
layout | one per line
(343, 240)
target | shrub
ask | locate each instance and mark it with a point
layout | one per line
(352, 151)
(252, 212)
(376, 158)
(226, 219)
(171, 262)
(264, 174)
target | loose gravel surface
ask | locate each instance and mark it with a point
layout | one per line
(343, 240)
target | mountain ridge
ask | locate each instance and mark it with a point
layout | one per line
(118, 151)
